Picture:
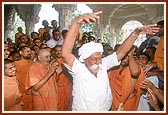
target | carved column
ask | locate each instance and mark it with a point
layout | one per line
(30, 22)
(65, 11)
(99, 27)
(9, 18)
(112, 36)
(32, 18)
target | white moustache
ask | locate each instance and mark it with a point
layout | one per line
(95, 68)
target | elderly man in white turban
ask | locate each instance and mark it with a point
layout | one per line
(91, 90)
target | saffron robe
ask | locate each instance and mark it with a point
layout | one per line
(47, 98)
(21, 71)
(159, 54)
(12, 95)
(64, 90)
(121, 88)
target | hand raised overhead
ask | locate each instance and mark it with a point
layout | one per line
(147, 29)
(53, 67)
(88, 17)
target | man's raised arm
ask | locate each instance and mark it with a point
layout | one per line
(127, 44)
(69, 41)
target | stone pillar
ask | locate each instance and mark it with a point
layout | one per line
(99, 28)
(30, 22)
(32, 18)
(65, 11)
(112, 36)
(9, 20)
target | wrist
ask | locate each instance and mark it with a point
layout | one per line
(135, 34)
(78, 20)
(137, 31)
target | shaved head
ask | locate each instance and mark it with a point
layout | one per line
(41, 52)
(44, 56)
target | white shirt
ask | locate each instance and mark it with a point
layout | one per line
(144, 100)
(52, 43)
(92, 93)
(51, 30)
(60, 41)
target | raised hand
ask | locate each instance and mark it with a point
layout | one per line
(153, 100)
(53, 67)
(144, 84)
(147, 29)
(59, 70)
(88, 17)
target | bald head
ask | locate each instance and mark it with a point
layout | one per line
(41, 52)
(44, 56)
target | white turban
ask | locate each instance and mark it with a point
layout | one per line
(88, 49)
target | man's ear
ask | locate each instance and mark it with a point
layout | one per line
(20, 52)
(38, 57)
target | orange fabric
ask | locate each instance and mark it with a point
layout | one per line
(159, 54)
(21, 70)
(47, 99)
(12, 95)
(121, 89)
(21, 67)
(64, 91)
(60, 60)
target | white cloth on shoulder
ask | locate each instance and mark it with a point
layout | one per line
(88, 49)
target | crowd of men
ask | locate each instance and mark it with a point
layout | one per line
(73, 71)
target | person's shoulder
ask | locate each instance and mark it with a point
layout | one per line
(30, 61)
(35, 65)
(51, 40)
(18, 62)
(40, 29)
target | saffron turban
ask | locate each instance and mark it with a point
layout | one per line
(88, 49)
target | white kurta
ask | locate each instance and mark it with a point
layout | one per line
(144, 104)
(92, 93)
(52, 43)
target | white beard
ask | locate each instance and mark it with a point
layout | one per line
(95, 68)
